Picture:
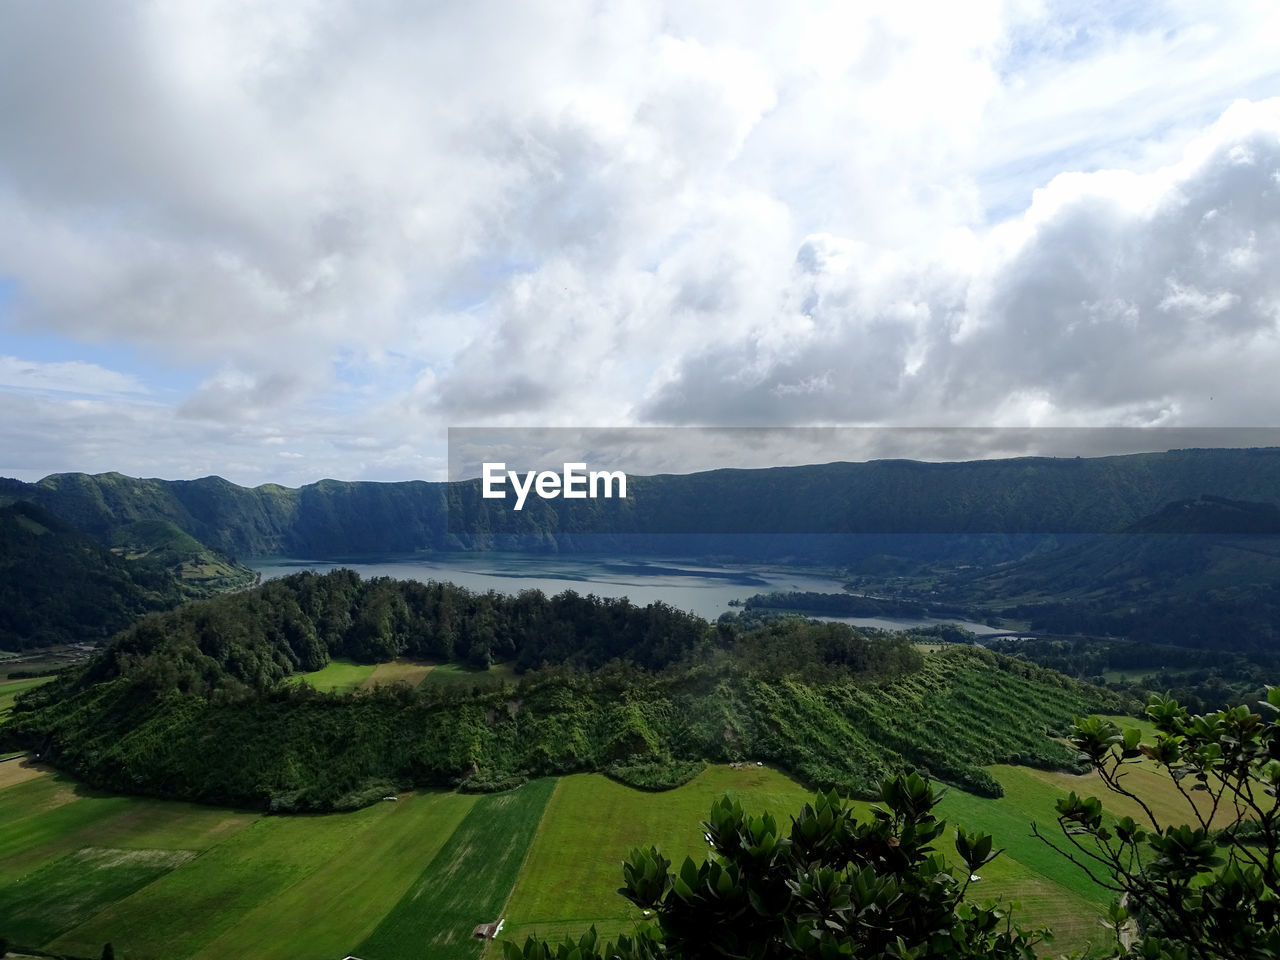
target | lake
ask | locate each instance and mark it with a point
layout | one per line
(703, 589)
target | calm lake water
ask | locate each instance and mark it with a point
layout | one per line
(701, 589)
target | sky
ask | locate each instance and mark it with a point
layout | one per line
(281, 242)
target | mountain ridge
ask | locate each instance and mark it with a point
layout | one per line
(779, 510)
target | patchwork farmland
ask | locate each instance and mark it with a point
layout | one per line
(170, 881)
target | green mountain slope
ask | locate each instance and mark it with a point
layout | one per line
(882, 499)
(61, 586)
(1172, 577)
(58, 585)
(198, 570)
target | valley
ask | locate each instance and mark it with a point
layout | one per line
(162, 880)
(372, 752)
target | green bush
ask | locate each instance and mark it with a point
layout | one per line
(656, 776)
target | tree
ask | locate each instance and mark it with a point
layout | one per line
(108, 952)
(1207, 888)
(830, 887)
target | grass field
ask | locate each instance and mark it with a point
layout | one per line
(592, 823)
(173, 881)
(68, 891)
(408, 673)
(335, 906)
(280, 887)
(340, 676)
(467, 882)
(455, 675)
(9, 690)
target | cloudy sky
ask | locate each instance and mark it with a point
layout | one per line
(301, 239)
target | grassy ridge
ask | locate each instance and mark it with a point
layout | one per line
(960, 711)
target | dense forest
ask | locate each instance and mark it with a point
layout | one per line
(201, 702)
(1199, 573)
(853, 605)
(1202, 573)
(61, 586)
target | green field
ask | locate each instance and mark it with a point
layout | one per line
(466, 883)
(70, 890)
(9, 690)
(344, 676)
(407, 673)
(592, 823)
(457, 675)
(339, 676)
(169, 880)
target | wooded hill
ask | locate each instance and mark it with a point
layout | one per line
(1201, 573)
(61, 586)
(198, 703)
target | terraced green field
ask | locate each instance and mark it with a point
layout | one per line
(396, 880)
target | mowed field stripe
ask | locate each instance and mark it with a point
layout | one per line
(467, 883)
(592, 823)
(44, 818)
(324, 914)
(19, 770)
(178, 914)
(406, 673)
(62, 894)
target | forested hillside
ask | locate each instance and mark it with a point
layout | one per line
(198, 703)
(1202, 573)
(989, 508)
(61, 586)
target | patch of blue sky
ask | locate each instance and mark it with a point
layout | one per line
(471, 288)
(1006, 188)
(360, 382)
(1072, 30)
(162, 381)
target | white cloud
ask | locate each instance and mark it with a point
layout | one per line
(373, 220)
(1115, 299)
(71, 376)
